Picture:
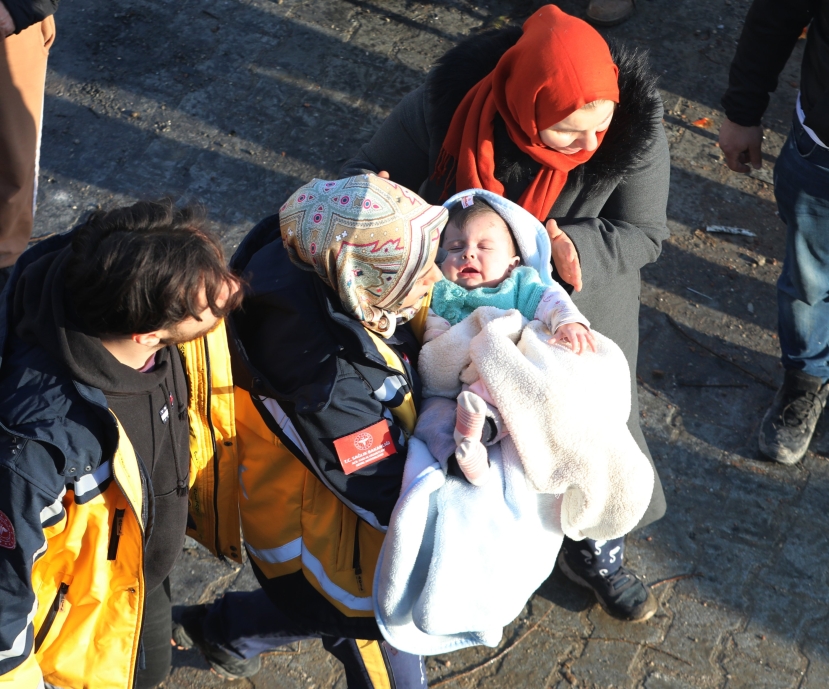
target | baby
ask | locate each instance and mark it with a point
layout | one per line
(482, 267)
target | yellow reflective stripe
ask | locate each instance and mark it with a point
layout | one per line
(372, 656)
(404, 413)
(127, 475)
(418, 323)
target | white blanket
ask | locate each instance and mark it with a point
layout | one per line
(566, 414)
(459, 562)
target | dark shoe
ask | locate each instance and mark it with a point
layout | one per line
(621, 594)
(610, 12)
(188, 633)
(789, 424)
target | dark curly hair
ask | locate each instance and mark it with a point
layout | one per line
(145, 267)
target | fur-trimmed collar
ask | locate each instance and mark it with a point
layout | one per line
(631, 130)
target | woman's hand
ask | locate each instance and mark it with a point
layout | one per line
(565, 256)
(579, 337)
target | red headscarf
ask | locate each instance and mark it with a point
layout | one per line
(559, 64)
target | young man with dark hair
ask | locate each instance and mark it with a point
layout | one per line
(115, 408)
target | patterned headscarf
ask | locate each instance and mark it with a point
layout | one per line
(368, 238)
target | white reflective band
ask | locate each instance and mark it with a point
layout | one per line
(39, 551)
(91, 481)
(54, 509)
(285, 424)
(334, 591)
(19, 644)
(389, 388)
(283, 553)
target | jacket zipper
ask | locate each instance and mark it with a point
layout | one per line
(385, 653)
(115, 534)
(215, 451)
(57, 604)
(358, 570)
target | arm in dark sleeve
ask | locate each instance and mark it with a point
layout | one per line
(400, 146)
(632, 224)
(24, 13)
(771, 30)
(24, 506)
(372, 490)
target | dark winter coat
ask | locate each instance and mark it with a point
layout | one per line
(24, 13)
(768, 38)
(613, 207)
(86, 526)
(308, 378)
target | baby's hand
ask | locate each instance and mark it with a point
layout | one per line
(435, 326)
(576, 335)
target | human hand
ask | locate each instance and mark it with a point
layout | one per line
(565, 256)
(741, 145)
(579, 338)
(384, 174)
(435, 326)
(6, 24)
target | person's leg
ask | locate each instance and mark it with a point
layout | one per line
(599, 566)
(156, 654)
(22, 80)
(241, 625)
(801, 186)
(233, 631)
(373, 664)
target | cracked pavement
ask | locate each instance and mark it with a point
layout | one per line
(234, 103)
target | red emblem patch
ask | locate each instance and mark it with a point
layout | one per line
(7, 539)
(365, 447)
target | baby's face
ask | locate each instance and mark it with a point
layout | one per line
(480, 255)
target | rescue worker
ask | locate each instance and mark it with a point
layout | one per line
(324, 357)
(115, 407)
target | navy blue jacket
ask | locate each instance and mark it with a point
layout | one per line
(56, 434)
(24, 13)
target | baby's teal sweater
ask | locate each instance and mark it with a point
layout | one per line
(522, 290)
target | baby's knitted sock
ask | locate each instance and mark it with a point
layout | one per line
(470, 417)
(473, 461)
(469, 423)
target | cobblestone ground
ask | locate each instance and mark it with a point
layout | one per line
(234, 103)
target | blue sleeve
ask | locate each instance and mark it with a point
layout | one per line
(24, 506)
(530, 290)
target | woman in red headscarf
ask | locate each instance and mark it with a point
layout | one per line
(551, 117)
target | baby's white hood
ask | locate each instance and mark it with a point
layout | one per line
(531, 236)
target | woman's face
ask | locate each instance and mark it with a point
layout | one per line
(577, 132)
(428, 277)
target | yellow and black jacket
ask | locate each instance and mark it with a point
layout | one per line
(307, 376)
(75, 505)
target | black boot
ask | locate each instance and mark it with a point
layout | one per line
(188, 633)
(598, 565)
(788, 425)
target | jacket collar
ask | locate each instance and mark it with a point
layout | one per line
(265, 351)
(41, 401)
